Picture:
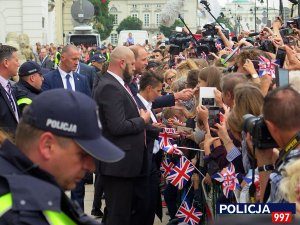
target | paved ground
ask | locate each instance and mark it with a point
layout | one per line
(89, 194)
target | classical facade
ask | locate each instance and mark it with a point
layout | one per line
(241, 13)
(149, 13)
(32, 17)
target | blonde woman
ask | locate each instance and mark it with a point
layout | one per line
(290, 184)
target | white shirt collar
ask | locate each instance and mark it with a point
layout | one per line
(147, 104)
(121, 81)
(3, 82)
(63, 73)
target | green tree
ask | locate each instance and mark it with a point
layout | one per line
(167, 31)
(130, 23)
(103, 20)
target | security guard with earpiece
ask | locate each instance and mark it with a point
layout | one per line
(54, 148)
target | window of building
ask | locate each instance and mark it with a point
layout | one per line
(146, 20)
(115, 22)
(157, 18)
(147, 6)
(135, 15)
(114, 39)
(113, 9)
(158, 6)
(134, 6)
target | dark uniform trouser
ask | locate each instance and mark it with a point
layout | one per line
(126, 200)
(98, 188)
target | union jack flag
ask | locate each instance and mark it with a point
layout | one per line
(218, 45)
(188, 214)
(166, 137)
(166, 167)
(181, 173)
(267, 66)
(228, 179)
(172, 149)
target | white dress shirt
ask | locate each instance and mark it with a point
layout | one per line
(148, 106)
(63, 75)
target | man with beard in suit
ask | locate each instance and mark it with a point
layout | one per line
(123, 124)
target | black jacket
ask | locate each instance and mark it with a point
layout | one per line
(24, 90)
(33, 191)
(8, 120)
(123, 126)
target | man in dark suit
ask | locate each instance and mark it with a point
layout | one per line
(64, 77)
(150, 88)
(9, 112)
(123, 124)
(141, 61)
(88, 71)
(46, 62)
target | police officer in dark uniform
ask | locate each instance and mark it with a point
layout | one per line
(29, 85)
(97, 62)
(55, 147)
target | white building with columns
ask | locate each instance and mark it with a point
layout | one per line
(35, 18)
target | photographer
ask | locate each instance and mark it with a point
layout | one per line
(281, 110)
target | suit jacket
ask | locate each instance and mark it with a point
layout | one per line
(47, 63)
(89, 72)
(123, 126)
(8, 120)
(164, 101)
(53, 80)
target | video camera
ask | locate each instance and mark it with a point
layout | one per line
(180, 41)
(261, 137)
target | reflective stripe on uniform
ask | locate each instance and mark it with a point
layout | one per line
(5, 203)
(58, 218)
(26, 101)
(53, 218)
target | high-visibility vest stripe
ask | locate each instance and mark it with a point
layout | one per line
(5, 203)
(58, 218)
(26, 101)
(53, 217)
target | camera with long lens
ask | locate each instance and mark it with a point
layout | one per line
(179, 41)
(261, 137)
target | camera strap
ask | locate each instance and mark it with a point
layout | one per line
(292, 144)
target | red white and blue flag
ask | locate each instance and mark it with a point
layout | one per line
(166, 167)
(267, 66)
(181, 173)
(228, 178)
(172, 149)
(188, 214)
(166, 137)
(218, 45)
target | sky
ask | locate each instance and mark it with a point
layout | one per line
(271, 2)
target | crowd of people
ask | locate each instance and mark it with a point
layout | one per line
(139, 111)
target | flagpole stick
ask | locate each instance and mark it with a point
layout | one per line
(194, 149)
(184, 197)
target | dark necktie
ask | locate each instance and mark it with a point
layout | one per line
(10, 97)
(69, 87)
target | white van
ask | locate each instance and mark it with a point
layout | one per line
(139, 36)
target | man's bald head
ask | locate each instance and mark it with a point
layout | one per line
(120, 53)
